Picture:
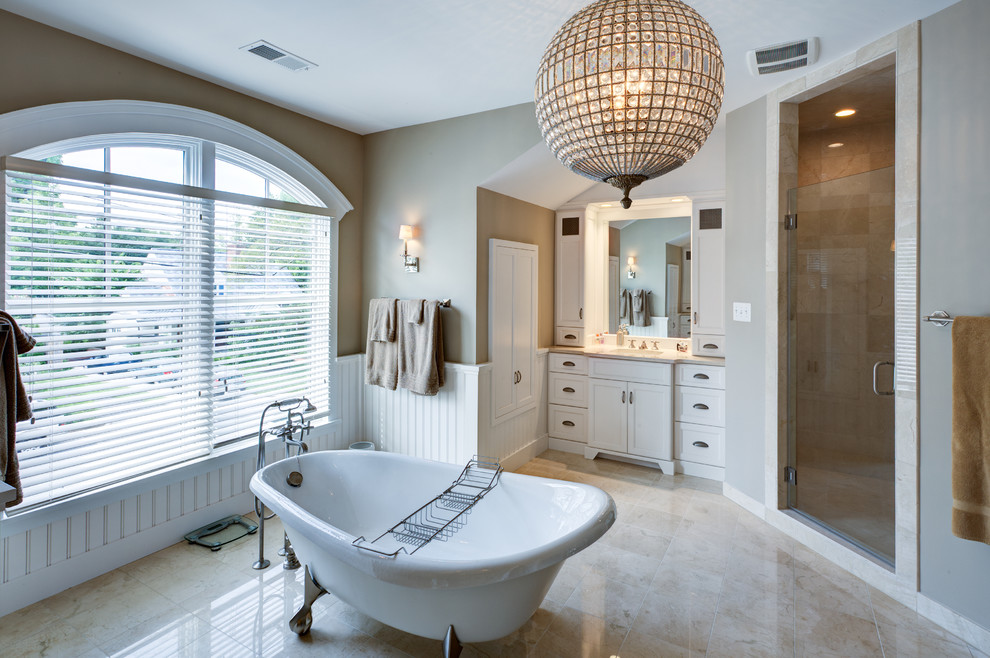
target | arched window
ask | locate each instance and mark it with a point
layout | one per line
(176, 285)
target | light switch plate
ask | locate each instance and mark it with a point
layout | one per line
(742, 311)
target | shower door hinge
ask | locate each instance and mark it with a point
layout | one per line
(790, 222)
(790, 475)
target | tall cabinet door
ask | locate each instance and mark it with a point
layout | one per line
(708, 269)
(512, 326)
(609, 402)
(524, 323)
(650, 422)
(569, 271)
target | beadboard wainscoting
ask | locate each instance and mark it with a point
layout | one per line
(101, 532)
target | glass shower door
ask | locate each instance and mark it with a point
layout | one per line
(840, 340)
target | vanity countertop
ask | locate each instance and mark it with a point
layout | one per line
(636, 354)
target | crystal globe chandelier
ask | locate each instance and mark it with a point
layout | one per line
(629, 90)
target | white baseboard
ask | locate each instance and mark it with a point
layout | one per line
(976, 635)
(751, 505)
(34, 587)
(528, 452)
(716, 473)
(564, 445)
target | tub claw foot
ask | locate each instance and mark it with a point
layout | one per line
(451, 645)
(302, 621)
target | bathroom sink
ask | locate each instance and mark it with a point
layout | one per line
(634, 351)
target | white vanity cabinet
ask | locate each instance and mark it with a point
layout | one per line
(630, 410)
(569, 278)
(567, 411)
(699, 419)
(708, 279)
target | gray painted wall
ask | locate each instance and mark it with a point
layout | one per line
(427, 175)
(745, 281)
(955, 271)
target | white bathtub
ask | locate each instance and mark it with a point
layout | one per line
(485, 581)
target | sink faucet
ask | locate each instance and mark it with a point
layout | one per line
(655, 346)
(643, 346)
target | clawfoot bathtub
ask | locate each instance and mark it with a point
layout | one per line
(482, 582)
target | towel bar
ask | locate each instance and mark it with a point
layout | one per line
(938, 318)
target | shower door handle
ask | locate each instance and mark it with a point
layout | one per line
(876, 368)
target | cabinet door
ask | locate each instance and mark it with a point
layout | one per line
(708, 269)
(570, 270)
(524, 283)
(608, 414)
(650, 423)
(503, 372)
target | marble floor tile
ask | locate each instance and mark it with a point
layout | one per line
(683, 572)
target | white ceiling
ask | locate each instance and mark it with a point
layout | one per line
(390, 63)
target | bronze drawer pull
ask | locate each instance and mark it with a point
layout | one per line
(569, 364)
(567, 389)
(570, 336)
(700, 375)
(710, 346)
(700, 444)
(703, 407)
(568, 423)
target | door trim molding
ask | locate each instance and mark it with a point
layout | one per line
(902, 48)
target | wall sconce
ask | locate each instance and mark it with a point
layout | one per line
(411, 262)
(630, 262)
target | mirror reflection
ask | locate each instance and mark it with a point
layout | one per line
(650, 276)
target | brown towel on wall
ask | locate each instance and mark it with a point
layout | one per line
(420, 348)
(381, 366)
(625, 307)
(14, 404)
(640, 308)
(971, 428)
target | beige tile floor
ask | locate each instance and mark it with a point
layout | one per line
(683, 572)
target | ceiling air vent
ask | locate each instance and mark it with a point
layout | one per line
(279, 56)
(783, 56)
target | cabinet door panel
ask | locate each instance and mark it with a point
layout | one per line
(524, 326)
(570, 281)
(708, 272)
(608, 415)
(650, 424)
(503, 377)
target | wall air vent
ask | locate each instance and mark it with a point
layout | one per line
(279, 56)
(783, 56)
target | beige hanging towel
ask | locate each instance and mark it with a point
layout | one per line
(382, 353)
(420, 348)
(971, 428)
(15, 404)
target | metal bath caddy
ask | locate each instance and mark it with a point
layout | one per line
(440, 518)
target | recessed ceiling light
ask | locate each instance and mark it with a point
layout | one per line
(835, 145)
(845, 113)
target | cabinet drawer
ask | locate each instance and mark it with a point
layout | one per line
(699, 443)
(705, 406)
(570, 390)
(569, 336)
(568, 363)
(708, 345)
(690, 374)
(630, 371)
(568, 423)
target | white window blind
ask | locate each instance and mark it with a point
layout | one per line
(165, 322)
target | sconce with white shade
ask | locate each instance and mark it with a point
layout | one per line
(411, 262)
(631, 261)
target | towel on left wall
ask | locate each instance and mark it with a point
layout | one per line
(15, 404)
(382, 351)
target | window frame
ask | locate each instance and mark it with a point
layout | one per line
(204, 136)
